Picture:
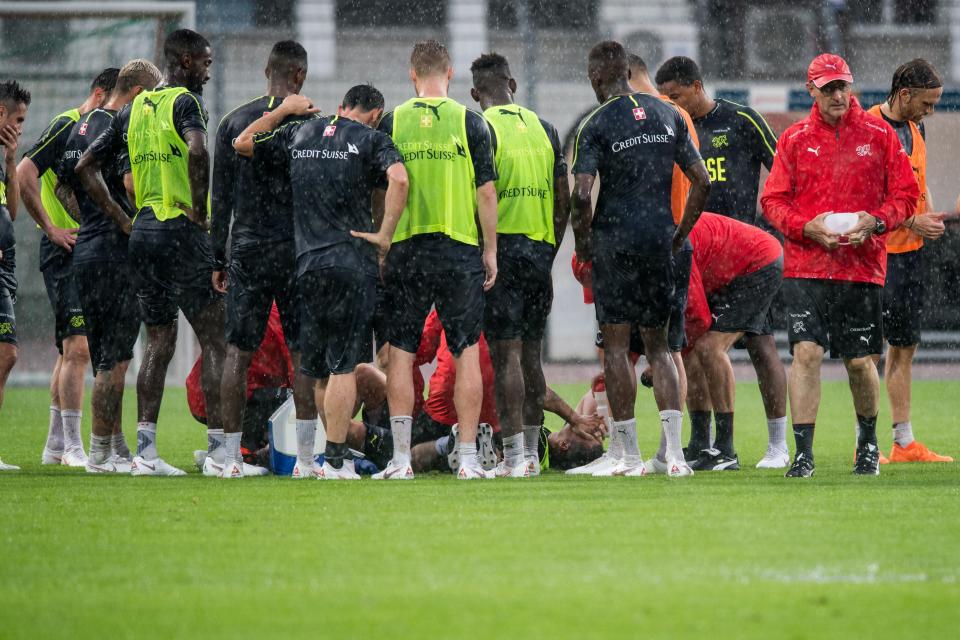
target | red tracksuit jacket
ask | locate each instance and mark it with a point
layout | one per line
(859, 165)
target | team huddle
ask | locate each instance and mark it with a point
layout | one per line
(367, 243)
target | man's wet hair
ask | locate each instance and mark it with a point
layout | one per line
(366, 97)
(491, 72)
(429, 58)
(609, 59)
(680, 69)
(916, 74)
(137, 73)
(287, 56)
(106, 80)
(579, 453)
(636, 62)
(183, 42)
(12, 94)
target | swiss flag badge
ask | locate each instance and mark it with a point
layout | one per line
(639, 114)
(330, 130)
(83, 129)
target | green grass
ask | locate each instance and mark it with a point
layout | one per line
(743, 555)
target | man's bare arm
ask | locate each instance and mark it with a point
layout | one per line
(28, 179)
(696, 201)
(561, 209)
(293, 105)
(198, 170)
(581, 214)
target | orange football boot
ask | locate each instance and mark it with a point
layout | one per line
(916, 451)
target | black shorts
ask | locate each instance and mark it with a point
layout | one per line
(173, 262)
(109, 299)
(336, 314)
(64, 297)
(429, 270)
(844, 317)
(254, 282)
(8, 320)
(903, 298)
(518, 304)
(426, 429)
(744, 304)
(676, 331)
(633, 289)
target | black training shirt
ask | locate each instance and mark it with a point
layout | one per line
(734, 141)
(254, 193)
(905, 132)
(335, 163)
(632, 142)
(478, 140)
(99, 238)
(189, 114)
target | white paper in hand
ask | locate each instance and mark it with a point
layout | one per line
(840, 222)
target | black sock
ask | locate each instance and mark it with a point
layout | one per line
(699, 431)
(724, 441)
(334, 453)
(803, 434)
(868, 430)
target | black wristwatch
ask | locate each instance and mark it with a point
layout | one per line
(880, 228)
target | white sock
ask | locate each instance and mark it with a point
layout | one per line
(903, 433)
(55, 431)
(531, 441)
(147, 440)
(513, 449)
(615, 449)
(468, 454)
(306, 440)
(215, 445)
(71, 429)
(662, 450)
(118, 445)
(627, 433)
(671, 422)
(777, 434)
(99, 448)
(231, 448)
(400, 428)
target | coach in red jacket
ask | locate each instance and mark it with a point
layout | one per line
(837, 159)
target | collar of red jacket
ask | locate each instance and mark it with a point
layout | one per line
(854, 113)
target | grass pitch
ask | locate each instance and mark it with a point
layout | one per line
(747, 554)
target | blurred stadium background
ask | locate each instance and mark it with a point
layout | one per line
(750, 51)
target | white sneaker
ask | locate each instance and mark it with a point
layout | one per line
(232, 469)
(533, 467)
(50, 456)
(211, 468)
(486, 454)
(678, 469)
(254, 471)
(590, 467)
(122, 464)
(630, 467)
(74, 458)
(350, 468)
(518, 470)
(475, 472)
(655, 466)
(605, 466)
(8, 467)
(774, 459)
(102, 467)
(328, 472)
(306, 470)
(199, 456)
(396, 470)
(157, 467)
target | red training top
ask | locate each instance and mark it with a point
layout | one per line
(271, 367)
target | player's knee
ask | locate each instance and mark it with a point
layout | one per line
(76, 351)
(807, 355)
(859, 366)
(8, 359)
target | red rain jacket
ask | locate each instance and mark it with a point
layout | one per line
(859, 165)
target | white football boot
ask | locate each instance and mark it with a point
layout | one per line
(533, 467)
(475, 472)
(328, 472)
(50, 456)
(630, 466)
(8, 467)
(608, 466)
(594, 465)
(156, 467)
(305, 470)
(396, 470)
(518, 470)
(74, 458)
(774, 459)
(655, 466)
(678, 468)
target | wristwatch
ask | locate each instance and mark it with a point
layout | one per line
(880, 227)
